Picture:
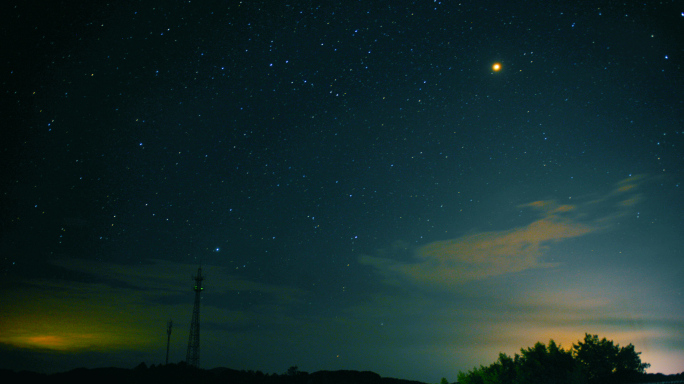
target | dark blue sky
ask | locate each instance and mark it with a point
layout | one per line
(362, 189)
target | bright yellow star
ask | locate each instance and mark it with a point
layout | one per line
(496, 67)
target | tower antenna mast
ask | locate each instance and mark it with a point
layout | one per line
(193, 355)
(168, 339)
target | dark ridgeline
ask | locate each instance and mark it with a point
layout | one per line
(184, 373)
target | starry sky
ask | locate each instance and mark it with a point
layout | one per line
(362, 187)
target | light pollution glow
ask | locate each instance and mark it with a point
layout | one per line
(464, 299)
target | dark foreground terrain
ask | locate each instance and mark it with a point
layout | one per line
(181, 373)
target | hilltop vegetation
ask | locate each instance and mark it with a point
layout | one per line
(591, 361)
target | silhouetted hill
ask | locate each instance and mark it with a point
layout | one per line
(355, 377)
(8, 376)
(659, 378)
(181, 374)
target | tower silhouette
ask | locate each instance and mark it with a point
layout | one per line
(193, 355)
(168, 339)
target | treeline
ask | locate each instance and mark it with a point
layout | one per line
(590, 361)
(182, 373)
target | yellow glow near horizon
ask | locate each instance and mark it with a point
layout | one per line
(57, 342)
(87, 317)
(63, 334)
(46, 341)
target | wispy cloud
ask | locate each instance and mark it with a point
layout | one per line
(166, 277)
(112, 307)
(484, 254)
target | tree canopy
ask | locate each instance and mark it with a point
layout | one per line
(587, 362)
(605, 362)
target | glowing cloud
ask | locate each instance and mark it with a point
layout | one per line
(480, 255)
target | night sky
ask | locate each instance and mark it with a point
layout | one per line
(362, 188)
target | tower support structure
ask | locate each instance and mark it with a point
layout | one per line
(168, 339)
(192, 357)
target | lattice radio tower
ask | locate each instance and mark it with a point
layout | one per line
(169, 325)
(193, 355)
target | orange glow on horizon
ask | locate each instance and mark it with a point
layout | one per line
(76, 322)
(65, 342)
(48, 342)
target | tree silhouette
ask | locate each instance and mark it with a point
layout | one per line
(605, 362)
(293, 371)
(503, 371)
(591, 361)
(549, 365)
